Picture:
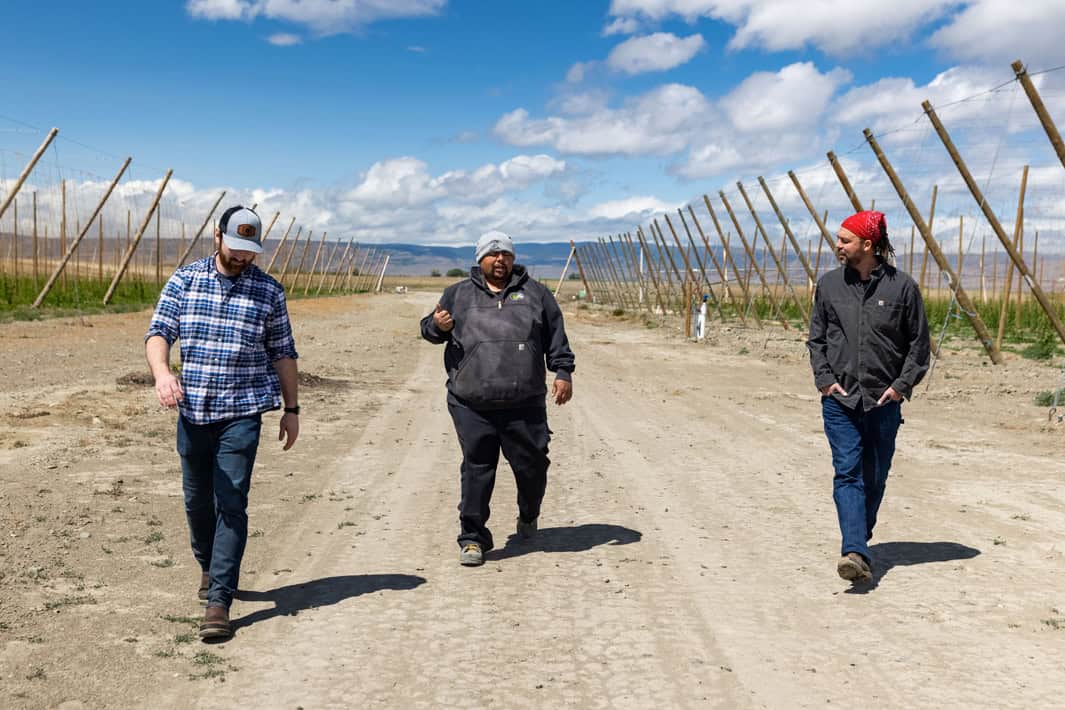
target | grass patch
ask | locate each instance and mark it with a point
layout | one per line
(185, 638)
(190, 620)
(37, 674)
(153, 537)
(70, 601)
(1046, 397)
(164, 563)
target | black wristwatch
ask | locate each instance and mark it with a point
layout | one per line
(293, 410)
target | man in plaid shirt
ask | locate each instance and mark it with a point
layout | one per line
(238, 360)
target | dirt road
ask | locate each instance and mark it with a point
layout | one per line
(685, 559)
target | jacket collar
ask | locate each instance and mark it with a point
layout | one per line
(518, 276)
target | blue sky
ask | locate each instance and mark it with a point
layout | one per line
(435, 120)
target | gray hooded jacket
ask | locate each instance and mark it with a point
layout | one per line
(503, 343)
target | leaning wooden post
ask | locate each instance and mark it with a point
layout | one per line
(1029, 277)
(643, 293)
(931, 220)
(381, 278)
(825, 234)
(356, 258)
(623, 266)
(668, 286)
(580, 270)
(773, 254)
(753, 260)
(983, 249)
(645, 249)
(565, 268)
(328, 265)
(728, 258)
(602, 263)
(206, 221)
(342, 265)
(27, 170)
(842, 177)
(36, 246)
(367, 272)
(787, 230)
(1040, 109)
(136, 240)
(964, 301)
(713, 258)
(291, 251)
(74, 246)
(611, 273)
(687, 263)
(314, 265)
(672, 264)
(280, 246)
(302, 261)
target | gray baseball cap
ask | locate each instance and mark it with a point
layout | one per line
(241, 229)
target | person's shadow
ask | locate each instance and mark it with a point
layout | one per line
(294, 598)
(577, 538)
(887, 555)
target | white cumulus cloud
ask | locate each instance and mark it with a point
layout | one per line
(323, 17)
(655, 52)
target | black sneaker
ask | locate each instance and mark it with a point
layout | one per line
(527, 529)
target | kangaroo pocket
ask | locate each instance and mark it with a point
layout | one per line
(499, 371)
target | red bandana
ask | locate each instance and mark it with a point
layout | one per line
(866, 225)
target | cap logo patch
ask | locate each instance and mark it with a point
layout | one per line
(246, 230)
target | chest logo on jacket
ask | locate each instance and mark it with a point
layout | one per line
(517, 296)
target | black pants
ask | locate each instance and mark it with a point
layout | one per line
(522, 434)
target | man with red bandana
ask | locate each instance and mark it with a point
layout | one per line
(869, 348)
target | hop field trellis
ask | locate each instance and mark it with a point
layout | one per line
(81, 229)
(958, 182)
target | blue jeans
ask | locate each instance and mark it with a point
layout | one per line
(863, 444)
(216, 464)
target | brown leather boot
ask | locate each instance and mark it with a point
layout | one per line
(215, 623)
(205, 583)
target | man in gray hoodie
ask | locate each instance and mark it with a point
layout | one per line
(502, 331)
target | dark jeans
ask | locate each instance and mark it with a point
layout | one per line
(216, 464)
(522, 435)
(863, 444)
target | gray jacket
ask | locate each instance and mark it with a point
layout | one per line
(503, 343)
(868, 337)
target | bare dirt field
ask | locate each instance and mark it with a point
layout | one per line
(686, 556)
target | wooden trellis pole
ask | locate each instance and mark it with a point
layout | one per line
(651, 271)
(642, 296)
(303, 259)
(206, 221)
(328, 264)
(353, 262)
(1040, 109)
(842, 177)
(753, 261)
(674, 300)
(1022, 267)
(74, 246)
(136, 240)
(964, 301)
(580, 270)
(280, 246)
(342, 266)
(825, 234)
(27, 170)
(931, 220)
(728, 259)
(773, 254)
(314, 265)
(291, 251)
(687, 264)
(713, 258)
(787, 230)
(611, 273)
(624, 269)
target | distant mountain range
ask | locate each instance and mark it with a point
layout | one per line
(544, 260)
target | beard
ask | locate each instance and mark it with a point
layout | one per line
(231, 265)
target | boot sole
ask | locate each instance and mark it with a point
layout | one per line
(851, 571)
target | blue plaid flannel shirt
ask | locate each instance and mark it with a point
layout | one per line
(231, 331)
